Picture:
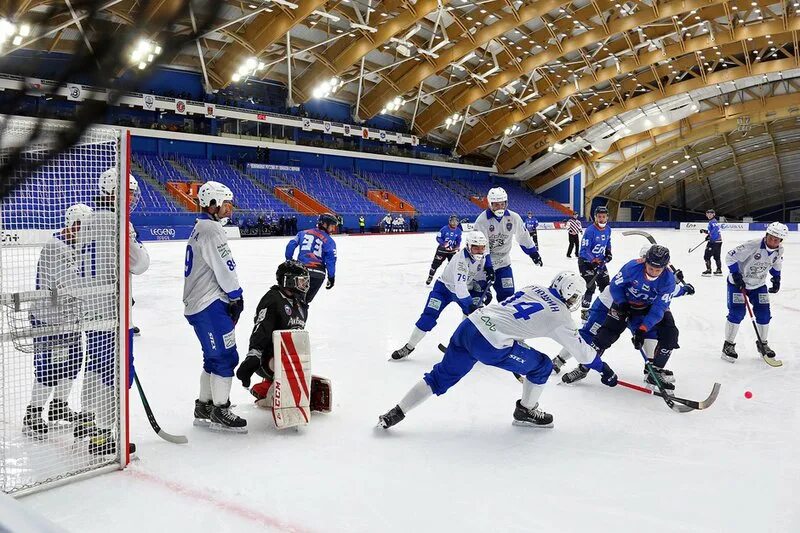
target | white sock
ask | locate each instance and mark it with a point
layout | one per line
(63, 389)
(40, 394)
(650, 348)
(416, 336)
(763, 331)
(89, 392)
(205, 387)
(530, 394)
(731, 330)
(220, 389)
(418, 394)
(565, 355)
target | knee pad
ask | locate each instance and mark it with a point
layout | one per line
(540, 374)
(668, 338)
(429, 316)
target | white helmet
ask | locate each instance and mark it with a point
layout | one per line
(571, 287)
(108, 186)
(213, 191)
(476, 238)
(644, 250)
(77, 213)
(776, 229)
(496, 195)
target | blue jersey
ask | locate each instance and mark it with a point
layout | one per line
(714, 232)
(317, 250)
(595, 242)
(631, 286)
(531, 224)
(449, 238)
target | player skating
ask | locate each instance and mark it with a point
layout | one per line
(594, 254)
(494, 335)
(456, 284)
(212, 299)
(713, 244)
(449, 239)
(99, 251)
(284, 306)
(387, 223)
(317, 251)
(58, 357)
(597, 317)
(398, 224)
(640, 296)
(748, 264)
(531, 225)
(500, 226)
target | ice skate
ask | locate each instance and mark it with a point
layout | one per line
(223, 419)
(102, 443)
(202, 413)
(532, 417)
(558, 362)
(59, 410)
(718, 272)
(584, 314)
(578, 374)
(402, 353)
(652, 385)
(428, 281)
(391, 418)
(706, 273)
(768, 354)
(729, 352)
(33, 425)
(663, 374)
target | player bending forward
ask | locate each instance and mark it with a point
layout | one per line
(283, 307)
(500, 226)
(58, 357)
(212, 299)
(449, 239)
(748, 264)
(493, 335)
(464, 281)
(657, 353)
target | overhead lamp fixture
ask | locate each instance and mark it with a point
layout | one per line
(327, 88)
(12, 32)
(511, 130)
(393, 105)
(363, 27)
(453, 119)
(144, 53)
(249, 67)
(284, 3)
(326, 15)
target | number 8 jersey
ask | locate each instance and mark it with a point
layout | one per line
(531, 313)
(209, 269)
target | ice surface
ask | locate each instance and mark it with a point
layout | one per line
(616, 460)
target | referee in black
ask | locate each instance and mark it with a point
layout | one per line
(574, 229)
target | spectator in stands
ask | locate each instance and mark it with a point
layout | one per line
(362, 224)
(574, 230)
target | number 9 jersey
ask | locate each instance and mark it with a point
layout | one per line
(531, 313)
(209, 269)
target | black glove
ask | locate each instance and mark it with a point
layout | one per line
(619, 311)
(472, 308)
(689, 289)
(609, 376)
(738, 281)
(608, 256)
(248, 367)
(489, 275)
(703, 231)
(776, 285)
(679, 275)
(708, 237)
(537, 259)
(487, 298)
(235, 308)
(331, 280)
(638, 338)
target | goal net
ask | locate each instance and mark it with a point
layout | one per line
(63, 305)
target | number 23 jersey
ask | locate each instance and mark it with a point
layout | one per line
(209, 269)
(531, 313)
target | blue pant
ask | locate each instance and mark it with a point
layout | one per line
(759, 300)
(467, 346)
(57, 357)
(439, 298)
(101, 349)
(214, 328)
(503, 283)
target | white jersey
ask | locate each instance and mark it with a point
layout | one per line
(139, 259)
(99, 262)
(387, 220)
(754, 260)
(57, 270)
(500, 233)
(531, 313)
(461, 271)
(209, 271)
